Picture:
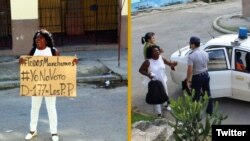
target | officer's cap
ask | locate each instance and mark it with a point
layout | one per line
(194, 40)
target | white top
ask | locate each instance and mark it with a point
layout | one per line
(44, 52)
(157, 67)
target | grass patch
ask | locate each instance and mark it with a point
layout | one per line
(139, 117)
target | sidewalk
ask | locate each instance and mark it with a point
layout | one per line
(229, 24)
(93, 66)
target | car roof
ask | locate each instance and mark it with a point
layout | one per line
(246, 43)
(223, 40)
(226, 40)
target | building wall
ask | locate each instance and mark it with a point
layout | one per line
(124, 27)
(137, 5)
(22, 35)
(125, 7)
(245, 8)
(24, 24)
(124, 31)
(21, 10)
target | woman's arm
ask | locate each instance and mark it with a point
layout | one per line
(144, 69)
(171, 64)
(57, 53)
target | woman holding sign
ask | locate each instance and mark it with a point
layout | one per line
(43, 45)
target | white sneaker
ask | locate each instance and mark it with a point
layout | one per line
(169, 108)
(30, 135)
(55, 138)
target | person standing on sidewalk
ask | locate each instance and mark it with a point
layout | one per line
(197, 72)
(154, 67)
(148, 40)
(43, 45)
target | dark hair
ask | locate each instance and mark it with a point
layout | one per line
(195, 40)
(147, 37)
(48, 38)
(238, 54)
(47, 35)
(196, 44)
(149, 52)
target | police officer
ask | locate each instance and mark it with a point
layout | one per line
(197, 74)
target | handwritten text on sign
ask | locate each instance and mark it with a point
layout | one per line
(48, 76)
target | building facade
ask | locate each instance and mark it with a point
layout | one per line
(137, 5)
(77, 23)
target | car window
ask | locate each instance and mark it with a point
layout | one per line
(242, 61)
(217, 60)
(229, 50)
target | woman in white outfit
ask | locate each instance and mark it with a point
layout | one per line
(154, 68)
(43, 46)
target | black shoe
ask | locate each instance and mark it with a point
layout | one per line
(159, 115)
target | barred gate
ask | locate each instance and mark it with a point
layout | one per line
(77, 22)
(5, 25)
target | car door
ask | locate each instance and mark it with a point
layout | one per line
(241, 78)
(220, 72)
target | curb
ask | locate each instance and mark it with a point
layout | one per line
(9, 84)
(87, 79)
(121, 77)
(221, 29)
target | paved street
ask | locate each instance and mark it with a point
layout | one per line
(96, 114)
(173, 29)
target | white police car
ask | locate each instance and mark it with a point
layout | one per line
(226, 79)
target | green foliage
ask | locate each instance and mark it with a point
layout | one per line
(188, 115)
(139, 117)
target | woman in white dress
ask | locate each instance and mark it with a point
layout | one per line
(154, 68)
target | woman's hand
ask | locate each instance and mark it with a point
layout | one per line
(21, 61)
(151, 75)
(173, 64)
(161, 50)
(188, 83)
(75, 61)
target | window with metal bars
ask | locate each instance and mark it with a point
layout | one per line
(77, 22)
(5, 25)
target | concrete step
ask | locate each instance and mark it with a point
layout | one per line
(157, 130)
(84, 79)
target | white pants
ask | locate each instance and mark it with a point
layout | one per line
(36, 102)
(158, 108)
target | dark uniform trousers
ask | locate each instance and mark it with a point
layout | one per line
(200, 83)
